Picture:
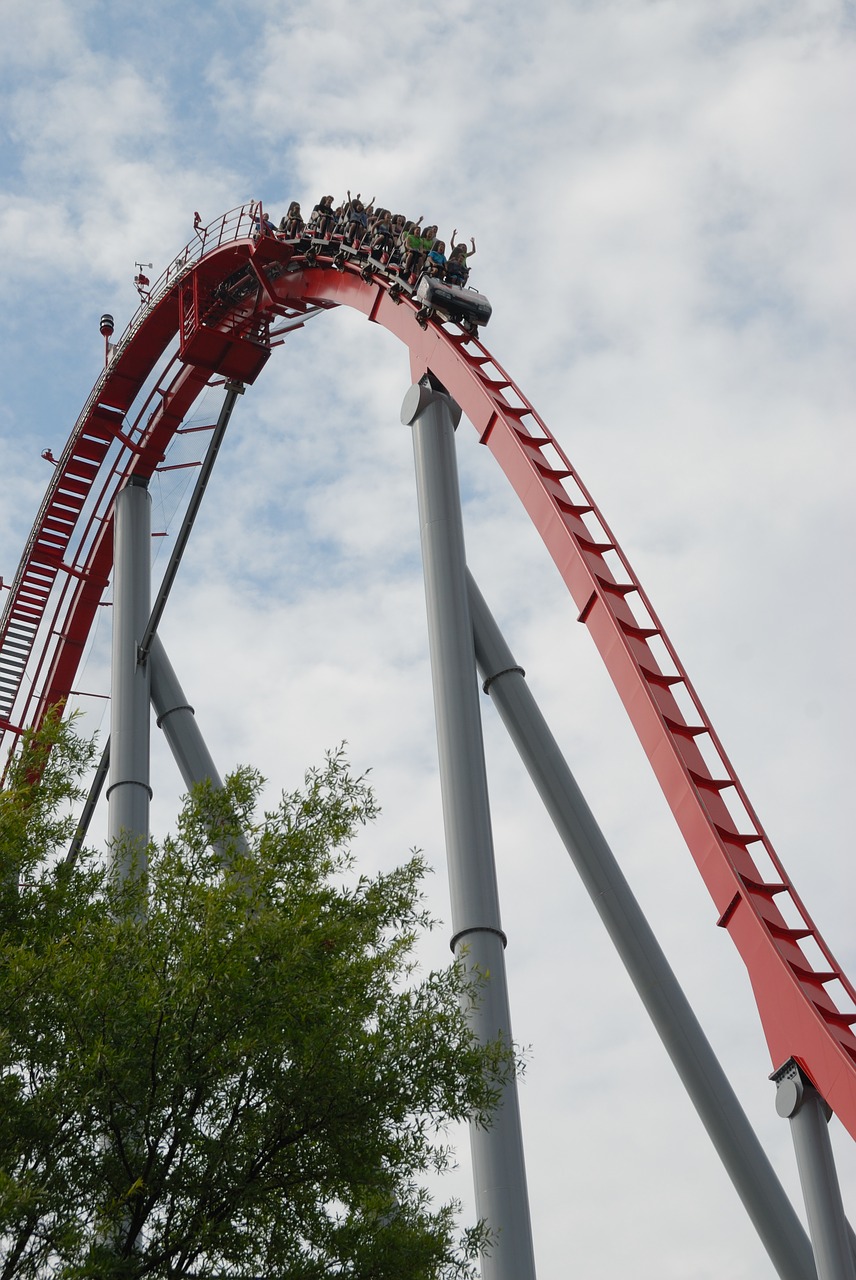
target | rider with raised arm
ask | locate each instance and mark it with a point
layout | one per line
(457, 270)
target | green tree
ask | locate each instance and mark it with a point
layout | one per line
(224, 1068)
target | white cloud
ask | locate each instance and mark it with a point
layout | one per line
(41, 35)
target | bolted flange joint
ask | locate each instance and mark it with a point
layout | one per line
(792, 1088)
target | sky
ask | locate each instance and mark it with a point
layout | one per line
(663, 197)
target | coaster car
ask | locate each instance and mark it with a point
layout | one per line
(469, 308)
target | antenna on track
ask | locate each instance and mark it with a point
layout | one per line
(141, 281)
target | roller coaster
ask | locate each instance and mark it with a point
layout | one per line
(214, 318)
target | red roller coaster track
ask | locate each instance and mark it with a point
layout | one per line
(230, 296)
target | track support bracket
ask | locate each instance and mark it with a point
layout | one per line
(798, 1101)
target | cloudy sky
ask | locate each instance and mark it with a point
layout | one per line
(663, 196)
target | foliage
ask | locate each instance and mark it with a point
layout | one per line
(225, 1067)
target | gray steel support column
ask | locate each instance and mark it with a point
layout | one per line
(129, 792)
(727, 1124)
(499, 1169)
(175, 716)
(799, 1102)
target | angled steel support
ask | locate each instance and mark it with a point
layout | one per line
(798, 1101)
(233, 390)
(129, 792)
(175, 716)
(698, 1067)
(499, 1169)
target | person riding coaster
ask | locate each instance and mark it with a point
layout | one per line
(291, 225)
(377, 240)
